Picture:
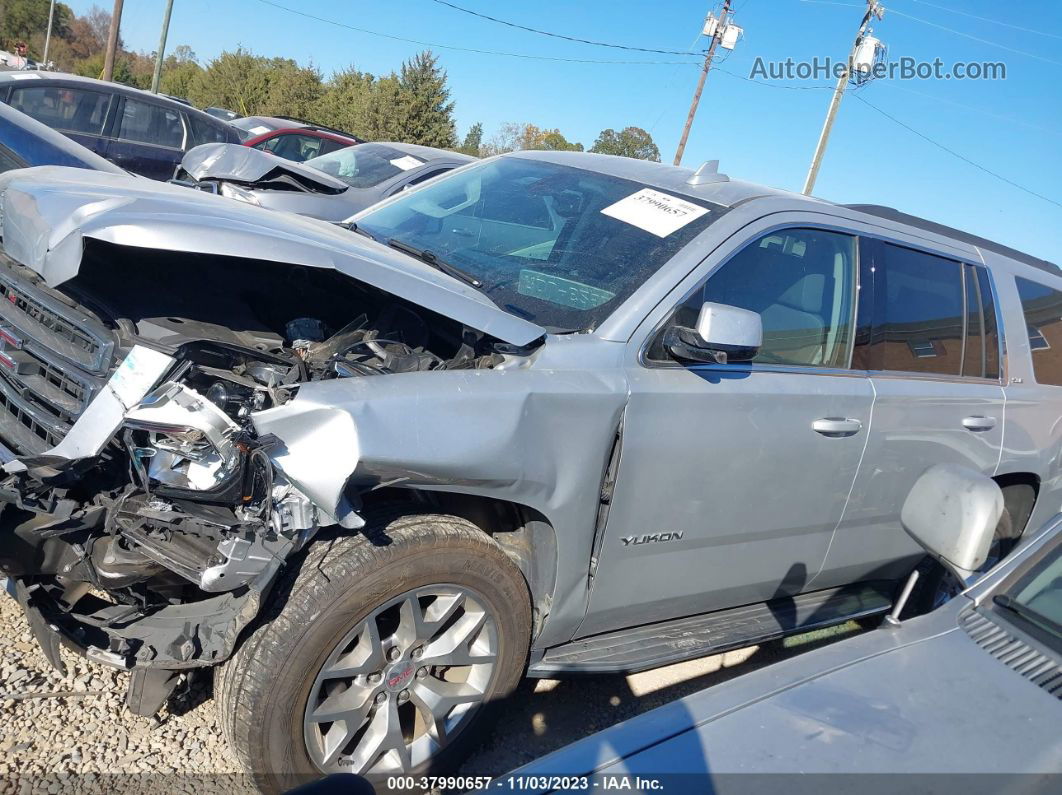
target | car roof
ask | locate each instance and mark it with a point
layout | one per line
(62, 78)
(730, 192)
(280, 124)
(426, 152)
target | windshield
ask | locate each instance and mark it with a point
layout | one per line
(365, 165)
(1037, 596)
(557, 245)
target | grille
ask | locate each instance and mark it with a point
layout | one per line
(53, 361)
(1018, 655)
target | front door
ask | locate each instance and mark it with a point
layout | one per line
(732, 478)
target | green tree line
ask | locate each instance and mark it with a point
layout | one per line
(412, 105)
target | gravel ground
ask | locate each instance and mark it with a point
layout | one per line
(72, 733)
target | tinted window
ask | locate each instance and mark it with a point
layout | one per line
(981, 356)
(151, 124)
(918, 308)
(427, 175)
(1042, 307)
(203, 132)
(365, 165)
(800, 282)
(294, 146)
(604, 235)
(69, 109)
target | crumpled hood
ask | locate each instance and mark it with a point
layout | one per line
(248, 165)
(48, 211)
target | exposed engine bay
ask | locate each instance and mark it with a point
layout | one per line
(148, 531)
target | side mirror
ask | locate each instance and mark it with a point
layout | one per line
(723, 334)
(952, 511)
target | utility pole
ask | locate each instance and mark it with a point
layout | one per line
(874, 9)
(162, 47)
(112, 41)
(48, 34)
(717, 36)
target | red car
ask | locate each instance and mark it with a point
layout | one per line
(292, 139)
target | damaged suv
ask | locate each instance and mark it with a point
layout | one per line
(551, 413)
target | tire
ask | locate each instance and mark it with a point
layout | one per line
(341, 585)
(936, 585)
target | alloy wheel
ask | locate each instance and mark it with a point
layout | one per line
(402, 683)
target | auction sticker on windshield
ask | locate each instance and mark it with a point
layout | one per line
(655, 212)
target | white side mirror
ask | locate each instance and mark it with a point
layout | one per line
(952, 511)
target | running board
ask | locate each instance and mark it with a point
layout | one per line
(653, 645)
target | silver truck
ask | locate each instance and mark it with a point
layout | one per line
(551, 413)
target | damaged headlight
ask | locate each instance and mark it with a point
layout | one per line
(238, 193)
(180, 439)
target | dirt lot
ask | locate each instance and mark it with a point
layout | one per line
(61, 734)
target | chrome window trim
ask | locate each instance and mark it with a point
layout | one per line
(645, 362)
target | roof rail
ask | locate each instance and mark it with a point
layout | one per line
(322, 127)
(707, 174)
(892, 214)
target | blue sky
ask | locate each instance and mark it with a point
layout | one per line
(761, 133)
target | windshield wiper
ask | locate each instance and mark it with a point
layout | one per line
(428, 257)
(353, 227)
(1021, 609)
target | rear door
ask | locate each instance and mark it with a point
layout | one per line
(78, 113)
(147, 138)
(928, 336)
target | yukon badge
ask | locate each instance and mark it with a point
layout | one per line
(653, 538)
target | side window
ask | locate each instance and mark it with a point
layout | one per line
(1042, 308)
(203, 132)
(801, 283)
(297, 147)
(328, 145)
(918, 308)
(68, 109)
(269, 144)
(151, 124)
(981, 355)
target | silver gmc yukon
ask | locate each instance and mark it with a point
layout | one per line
(552, 413)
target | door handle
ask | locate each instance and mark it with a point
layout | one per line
(979, 423)
(836, 426)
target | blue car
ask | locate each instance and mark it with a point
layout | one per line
(144, 133)
(26, 142)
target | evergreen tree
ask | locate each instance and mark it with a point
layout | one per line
(473, 139)
(423, 108)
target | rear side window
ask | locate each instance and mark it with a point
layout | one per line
(203, 132)
(151, 124)
(920, 313)
(917, 309)
(67, 109)
(981, 355)
(1042, 308)
(292, 146)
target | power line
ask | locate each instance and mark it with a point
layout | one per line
(773, 85)
(988, 19)
(970, 36)
(972, 108)
(557, 35)
(975, 38)
(436, 45)
(953, 153)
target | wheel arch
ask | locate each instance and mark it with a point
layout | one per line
(526, 536)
